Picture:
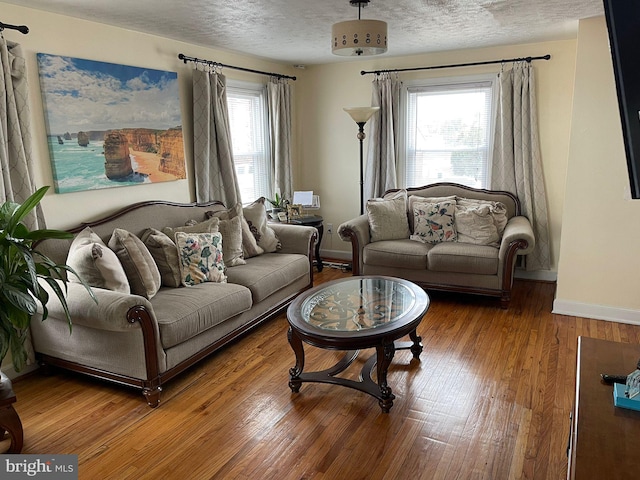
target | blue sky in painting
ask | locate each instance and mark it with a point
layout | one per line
(82, 95)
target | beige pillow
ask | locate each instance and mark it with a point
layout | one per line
(231, 231)
(95, 263)
(250, 247)
(475, 225)
(208, 226)
(140, 267)
(165, 254)
(256, 216)
(498, 211)
(388, 218)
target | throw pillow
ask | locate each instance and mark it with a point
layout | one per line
(95, 263)
(256, 216)
(139, 265)
(250, 247)
(498, 211)
(388, 218)
(434, 222)
(208, 226)
(231, 231)
(201, 258)
(417, 198)
(164, 252)
(476, 225)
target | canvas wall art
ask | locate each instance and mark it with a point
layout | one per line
(110, 125)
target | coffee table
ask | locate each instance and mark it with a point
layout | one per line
(353, 314)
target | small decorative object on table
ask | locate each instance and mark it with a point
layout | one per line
(628, 395)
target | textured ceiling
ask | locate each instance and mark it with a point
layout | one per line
(299, 31)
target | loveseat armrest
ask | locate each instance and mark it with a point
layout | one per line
(518, 230)
(109, 313)
(357, 232)
(295, 238)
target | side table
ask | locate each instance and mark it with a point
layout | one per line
(312, 221)
(9, 420)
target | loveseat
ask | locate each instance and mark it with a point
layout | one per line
(153, 333)
(443, 236)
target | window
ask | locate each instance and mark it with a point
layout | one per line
(448, 132)
(250, 139)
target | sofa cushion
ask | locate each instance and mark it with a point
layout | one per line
(200, 257)
(185, 312)
(256, 216)
(165, 253)
(403, 253)
(268, 273)
(434, 222)
(140, 267)
(388, 218)
(458, 257)
(96, 263)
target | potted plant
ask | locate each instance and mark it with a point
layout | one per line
(21, 267)
(279, 205)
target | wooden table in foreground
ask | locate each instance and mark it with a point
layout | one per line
(352, 314)
(605, 440)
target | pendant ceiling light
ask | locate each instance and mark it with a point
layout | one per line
(359, 37)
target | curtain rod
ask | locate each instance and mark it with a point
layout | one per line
(521, 59)
(186, 59)
(21, 28)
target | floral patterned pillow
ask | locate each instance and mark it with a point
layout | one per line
(434, 222)
(200, 257)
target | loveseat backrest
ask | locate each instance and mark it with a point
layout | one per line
(447, 189)
(136, 219)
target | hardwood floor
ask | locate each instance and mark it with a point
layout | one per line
(489, 399)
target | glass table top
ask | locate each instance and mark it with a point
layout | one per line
(358, 304)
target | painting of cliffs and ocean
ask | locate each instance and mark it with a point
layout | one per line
(110, 125)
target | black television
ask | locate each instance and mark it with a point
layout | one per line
(623, 24)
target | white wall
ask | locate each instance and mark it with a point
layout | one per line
(62, 35)
(599, 270)
(329, 147)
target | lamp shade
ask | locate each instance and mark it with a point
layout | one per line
(361, 114)
(359, 37)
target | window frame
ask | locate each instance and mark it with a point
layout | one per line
(459, 81)
(253, 88)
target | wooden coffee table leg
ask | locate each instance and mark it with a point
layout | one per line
(416, 348)
(294, 373)
(385, 355)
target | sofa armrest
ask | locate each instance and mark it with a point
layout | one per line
(110, 313)
(519, 230)
(295, 238)
(357, 232)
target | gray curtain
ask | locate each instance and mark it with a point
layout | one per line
(16, 162)
(215, 173)
(279, 99)
(382, 154)
(517, 166)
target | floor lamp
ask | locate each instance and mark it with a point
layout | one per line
(361, 115)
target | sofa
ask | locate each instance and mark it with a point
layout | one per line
(145, 333)
(442, 236)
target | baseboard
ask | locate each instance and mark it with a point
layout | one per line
(10, 372)
(598, 312)
(539, 275)
(336, 255)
